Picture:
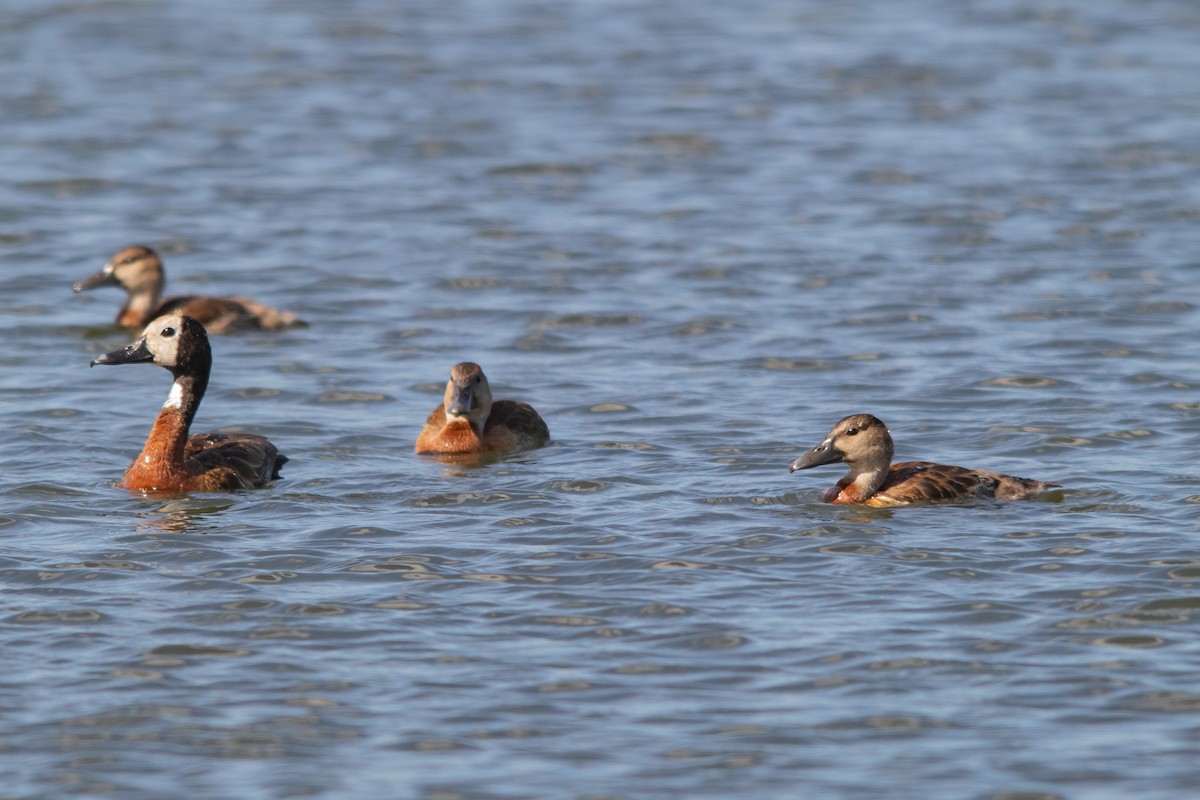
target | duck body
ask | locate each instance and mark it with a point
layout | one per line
(469, 421)
(863, 443)
(209, 462)
(173, 460)
(138, 270)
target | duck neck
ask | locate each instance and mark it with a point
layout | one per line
(161, 462)
(863, 482)
(186, 393)
(478, 424)
(141, 304)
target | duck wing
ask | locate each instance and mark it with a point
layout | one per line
(225, 461)
(216, 314)
(927, 482)
(513, 425)
(924, 481)
(229, 314)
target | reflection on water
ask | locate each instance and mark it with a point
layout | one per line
(458, 465)
(185, 514)
(690, 235)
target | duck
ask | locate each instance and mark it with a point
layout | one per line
(139, 271)
(469, 421)
(172, 460)
(863, 443)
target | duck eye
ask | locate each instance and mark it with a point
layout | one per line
(479, 379)
(167, 333)
(852, 432)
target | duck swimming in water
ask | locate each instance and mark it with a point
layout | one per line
(864, 444)
(171, 460)
(470, 421)
(139, 271)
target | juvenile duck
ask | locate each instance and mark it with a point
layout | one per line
(139, 271)
(469, 421)
(863, 443)
(171, 460)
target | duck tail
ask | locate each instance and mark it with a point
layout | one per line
(1011, 488)
(270, 319)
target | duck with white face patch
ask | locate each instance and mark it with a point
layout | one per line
(172, 460)
(864, 444)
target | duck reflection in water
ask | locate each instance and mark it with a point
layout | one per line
(187, 514)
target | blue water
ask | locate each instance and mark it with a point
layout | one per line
(693, 236)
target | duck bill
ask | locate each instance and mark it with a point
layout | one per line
(824, 453)
(136, 353)
(460, 401)
(105, 277)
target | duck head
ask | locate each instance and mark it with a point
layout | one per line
(137, 269)
(173, 341)
(860, 441)
(468, 395)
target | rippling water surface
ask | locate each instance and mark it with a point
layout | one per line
(694, 235)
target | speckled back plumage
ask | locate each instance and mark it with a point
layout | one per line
(227, 314)
(227, 461)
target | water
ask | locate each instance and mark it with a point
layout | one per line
(693, 236)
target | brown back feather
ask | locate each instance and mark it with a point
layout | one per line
(926, 481)
(228, 314)
(232, 460)
(916, 481)
(520, 419)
